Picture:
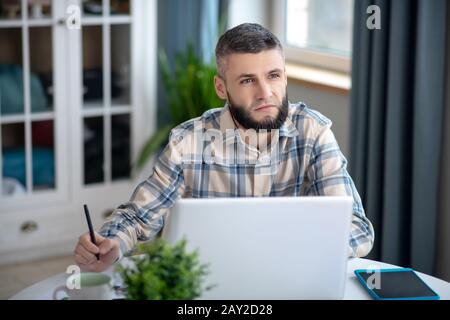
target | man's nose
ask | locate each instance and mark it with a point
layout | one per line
(265, 90)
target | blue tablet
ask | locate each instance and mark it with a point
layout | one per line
(395, 284)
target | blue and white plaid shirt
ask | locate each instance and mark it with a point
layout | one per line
(302, 159)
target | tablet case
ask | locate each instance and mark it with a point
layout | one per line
(374, 295)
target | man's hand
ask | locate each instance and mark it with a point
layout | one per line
(85, 251)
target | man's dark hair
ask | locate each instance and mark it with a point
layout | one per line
(245, 38)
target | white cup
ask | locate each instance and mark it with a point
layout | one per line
(86, 286)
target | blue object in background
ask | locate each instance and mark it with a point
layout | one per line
(43, 166)
(11, 91)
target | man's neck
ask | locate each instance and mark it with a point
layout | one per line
(262, 140)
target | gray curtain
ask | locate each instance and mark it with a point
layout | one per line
(183, 21)
(397, 104)
(443, 238)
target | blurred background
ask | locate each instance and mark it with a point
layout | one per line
(90, 88)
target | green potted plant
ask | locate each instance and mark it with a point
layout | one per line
(164, 272)
(190, 92)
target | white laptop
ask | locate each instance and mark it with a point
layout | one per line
(267, 248)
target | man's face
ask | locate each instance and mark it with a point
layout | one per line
(255, 88)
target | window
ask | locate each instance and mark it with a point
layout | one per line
(316, 32)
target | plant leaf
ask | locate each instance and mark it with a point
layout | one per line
(190, 92)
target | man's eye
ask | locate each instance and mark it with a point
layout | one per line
(246, 81)
(274, 76)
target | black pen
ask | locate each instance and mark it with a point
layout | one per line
(91, 230)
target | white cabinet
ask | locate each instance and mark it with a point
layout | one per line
(77, 101)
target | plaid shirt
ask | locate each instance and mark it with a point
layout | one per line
(303, 159)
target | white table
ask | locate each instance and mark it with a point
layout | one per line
(43, 290)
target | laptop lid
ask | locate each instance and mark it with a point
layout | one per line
(267, 248)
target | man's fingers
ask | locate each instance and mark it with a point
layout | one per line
(90, 257)
(106, 246)
(98, 238)
(85, 241)
(80, 260)
(85, 253)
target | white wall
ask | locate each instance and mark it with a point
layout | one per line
(241, 11)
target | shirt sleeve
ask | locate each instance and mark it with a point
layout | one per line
(328, 176)
(142, 217)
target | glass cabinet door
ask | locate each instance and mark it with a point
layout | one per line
(27, 116)
(106, 92)
(34, 86)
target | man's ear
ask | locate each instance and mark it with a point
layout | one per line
(220, 86)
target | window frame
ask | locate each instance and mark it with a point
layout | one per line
(303, 56)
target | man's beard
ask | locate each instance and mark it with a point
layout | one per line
(245, 119)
